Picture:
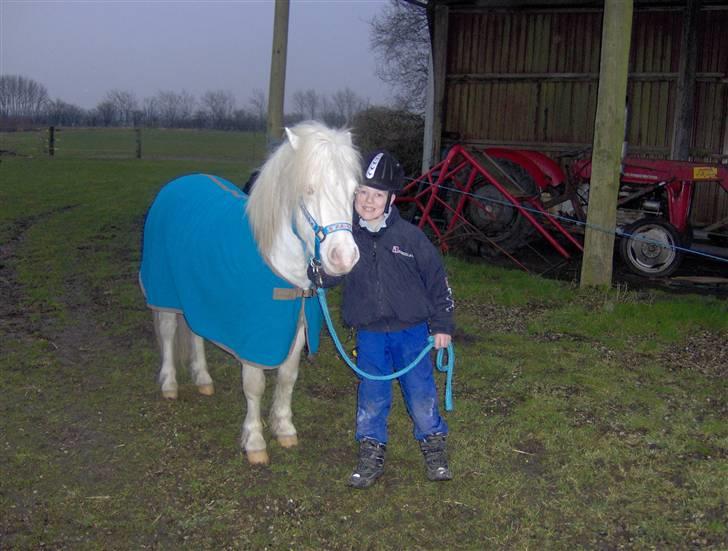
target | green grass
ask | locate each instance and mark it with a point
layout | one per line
(583, 419)
(121, 143)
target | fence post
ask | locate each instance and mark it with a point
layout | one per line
(51, 141)
(138, 132)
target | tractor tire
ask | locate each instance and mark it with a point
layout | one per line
(650, 247)
(502, 228)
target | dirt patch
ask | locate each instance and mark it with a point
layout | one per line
(496, 318)
(529, 457)
(324, 391)
(704, 352)
(16, 320)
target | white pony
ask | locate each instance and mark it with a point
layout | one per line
(192, 269)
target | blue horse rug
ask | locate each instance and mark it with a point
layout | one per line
(200, 259)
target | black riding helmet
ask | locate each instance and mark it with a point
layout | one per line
(383, 172)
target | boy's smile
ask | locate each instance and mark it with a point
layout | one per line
(370, 203)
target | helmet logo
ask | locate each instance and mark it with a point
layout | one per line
(373, 166)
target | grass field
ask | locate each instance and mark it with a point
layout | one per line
(583, 419)
(121, 143)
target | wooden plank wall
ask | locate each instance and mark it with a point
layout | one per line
(529, 79)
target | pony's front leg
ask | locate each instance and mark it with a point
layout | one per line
(281, 416)
(252, 440)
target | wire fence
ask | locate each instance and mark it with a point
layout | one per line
(572, 222)
(135, 143)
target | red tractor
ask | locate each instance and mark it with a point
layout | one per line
(497, 200)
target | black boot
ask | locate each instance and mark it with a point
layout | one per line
(371, 464)
(434, 449)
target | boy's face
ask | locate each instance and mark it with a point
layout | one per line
(370, 203)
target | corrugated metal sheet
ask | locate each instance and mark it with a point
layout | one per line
(530, 79)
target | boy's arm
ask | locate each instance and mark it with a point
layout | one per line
(438, 289)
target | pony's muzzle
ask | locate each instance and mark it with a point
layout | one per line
(338, 256)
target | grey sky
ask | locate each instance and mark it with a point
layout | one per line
(82, 49)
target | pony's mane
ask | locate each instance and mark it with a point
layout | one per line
(322, 158)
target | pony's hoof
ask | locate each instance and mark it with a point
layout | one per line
(288, 441)
(206, 390)
(259, 457)
(169, 394)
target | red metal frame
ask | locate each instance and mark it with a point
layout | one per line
(460, 168)
(424, 192)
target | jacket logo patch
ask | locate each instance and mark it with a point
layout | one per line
(397, 250)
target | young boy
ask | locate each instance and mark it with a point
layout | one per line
(395, 297)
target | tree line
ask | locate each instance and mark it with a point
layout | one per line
(25, 103)
(399, 37)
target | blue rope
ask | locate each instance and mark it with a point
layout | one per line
(566, 219)
(444, 368)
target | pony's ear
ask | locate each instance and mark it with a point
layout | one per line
(292, 138)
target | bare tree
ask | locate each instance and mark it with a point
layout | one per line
(105, 113)
(400, 39)
(22, 97)
(345, 103)
(125, 103)
(307, 103)
(259, 106)
(219, 105)
(60, 113)
(174, 109)
(150, 111)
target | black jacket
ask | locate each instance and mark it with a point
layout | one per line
(399, 281)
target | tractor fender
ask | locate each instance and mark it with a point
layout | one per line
(544, 171)
(547, 165)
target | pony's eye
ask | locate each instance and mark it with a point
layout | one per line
(309, 191)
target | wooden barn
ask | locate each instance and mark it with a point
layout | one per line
(525, 74)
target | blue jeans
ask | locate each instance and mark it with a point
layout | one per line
(385, 353)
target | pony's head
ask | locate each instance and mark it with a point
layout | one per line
(317, 168)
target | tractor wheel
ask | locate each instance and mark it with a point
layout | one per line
(650, 247)
(501, 225)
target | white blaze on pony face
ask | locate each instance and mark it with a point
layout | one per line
(328, 196)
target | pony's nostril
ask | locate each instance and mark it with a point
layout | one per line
(335, 256)
(342, 258)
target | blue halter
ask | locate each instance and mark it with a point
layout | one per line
(320, 232)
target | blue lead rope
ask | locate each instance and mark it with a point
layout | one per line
(448, 368)
(320, 233)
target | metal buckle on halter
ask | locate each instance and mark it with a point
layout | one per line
(318, 279)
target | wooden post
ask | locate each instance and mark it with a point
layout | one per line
(51, 141)
(682, 125)
(138, 133)
(596, 267)
(277, 86)
(439, 70)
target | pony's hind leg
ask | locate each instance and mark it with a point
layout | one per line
(193, 346)
(252, 440)
(165, 325)
(281, 415)
(198, 366)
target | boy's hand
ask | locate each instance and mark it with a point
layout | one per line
(442, 340)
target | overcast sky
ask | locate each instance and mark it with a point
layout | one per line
(79, 50)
